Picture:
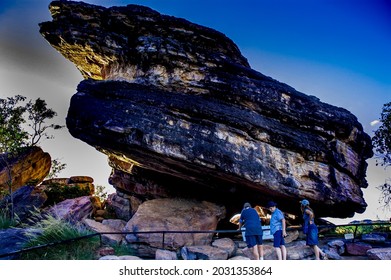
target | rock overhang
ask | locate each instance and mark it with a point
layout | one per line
(180, 102)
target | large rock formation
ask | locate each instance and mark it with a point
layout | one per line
(30, 166)
(179, 112)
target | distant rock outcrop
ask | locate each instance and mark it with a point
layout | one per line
(180, 113)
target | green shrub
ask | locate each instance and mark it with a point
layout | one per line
(53, 230)
(6, 221)
(57, 193)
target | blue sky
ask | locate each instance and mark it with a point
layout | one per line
(337, 50)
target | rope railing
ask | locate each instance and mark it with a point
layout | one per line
(164, 232)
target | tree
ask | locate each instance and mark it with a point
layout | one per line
(14, 136)
(38, 113)
(382, 144)
(56, 168)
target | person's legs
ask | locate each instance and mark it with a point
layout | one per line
(255, 252)
(316, 251)
(251, 241)
(319, 253)
(259, 246)
(312, 241)
(278, 252)
(278, 244)
(260, 251)
(283, 252)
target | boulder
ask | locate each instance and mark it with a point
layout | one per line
(180, 113)
(26, 200)
(165, 255)
(121, 205)
(337, 246)
(29, 168)
(107, 237)
(174, 215)
(299, 251)
(379, 254)
(357, 248)
(203, 252)
(226, 244)
(73, 210)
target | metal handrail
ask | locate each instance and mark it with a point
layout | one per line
(163, 232)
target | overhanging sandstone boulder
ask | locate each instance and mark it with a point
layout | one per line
(181, 113)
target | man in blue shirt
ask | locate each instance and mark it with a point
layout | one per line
(251, 221)
(278, 229)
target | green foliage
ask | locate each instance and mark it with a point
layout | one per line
(12, 135)
(38, 113)
(382, 138)
(385, 193)
(101, 193)
(57, 193)
(15, 136)
(14, 113)
(123, 249)
(358, 230)
(56, 168)
(6, 221)
(52, 230)
(382, 144)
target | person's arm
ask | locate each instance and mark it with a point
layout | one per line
(283, 227)
(309, 212)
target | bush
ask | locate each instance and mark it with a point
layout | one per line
(53, 230)
(6, 221)
(57, 193)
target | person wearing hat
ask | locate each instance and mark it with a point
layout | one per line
(251, 221)
(310, 229)
(278, 230)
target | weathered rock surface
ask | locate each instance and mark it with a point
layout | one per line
(26, 201)
(179, 112)
(379, 254)
(73, 210)
(107, 237)
(33, 165)
(174, 215)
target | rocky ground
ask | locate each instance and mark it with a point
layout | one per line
(367, 247)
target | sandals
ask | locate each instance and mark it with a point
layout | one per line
(324, 256)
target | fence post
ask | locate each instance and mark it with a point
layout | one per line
(354, 234)
(163, 240)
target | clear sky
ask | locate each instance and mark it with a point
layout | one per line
(337, 50)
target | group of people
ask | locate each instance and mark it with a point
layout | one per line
(250, 219)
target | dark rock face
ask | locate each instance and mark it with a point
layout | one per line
(181, 113)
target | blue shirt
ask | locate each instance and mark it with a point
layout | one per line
(276, 221)
(250, 218)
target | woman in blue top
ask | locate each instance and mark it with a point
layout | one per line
(251, 221)
(310, 229)
(278, 229)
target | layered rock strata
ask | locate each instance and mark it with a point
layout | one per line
(179, 112)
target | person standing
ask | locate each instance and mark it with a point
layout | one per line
(278, 230)
(310, 229)
(250, 219)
